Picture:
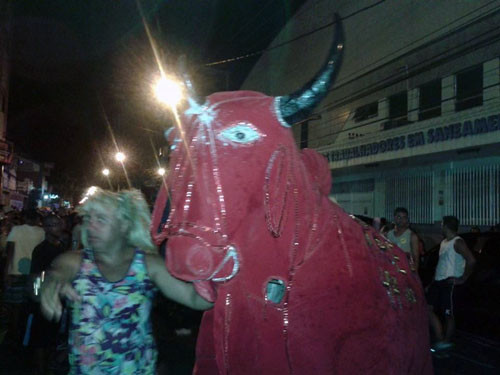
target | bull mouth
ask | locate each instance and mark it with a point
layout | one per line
(209, 237)
(201, 254)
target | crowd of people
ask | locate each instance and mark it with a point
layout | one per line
(455, 265)
(106, 271)
(29, 242)
(90, 284)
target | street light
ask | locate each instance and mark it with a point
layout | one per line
(120, 156)
(168, 91)
(161, 171)
(105, 172)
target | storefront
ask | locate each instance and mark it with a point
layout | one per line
(413, 117)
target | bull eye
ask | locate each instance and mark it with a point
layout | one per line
(241, 133)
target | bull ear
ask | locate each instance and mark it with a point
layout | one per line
(277, 185)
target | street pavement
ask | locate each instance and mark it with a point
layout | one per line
(471, 355)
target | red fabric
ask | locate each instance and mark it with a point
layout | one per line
(269, 201)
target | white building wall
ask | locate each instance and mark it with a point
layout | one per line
(4, 64)
(391, 47)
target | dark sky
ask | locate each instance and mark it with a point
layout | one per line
(82, 69)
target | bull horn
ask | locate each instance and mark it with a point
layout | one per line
(296, 107)
(181, 67)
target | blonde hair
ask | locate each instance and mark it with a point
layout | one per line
(130, 208)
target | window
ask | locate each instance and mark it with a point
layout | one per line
(365, 112)
(430, 100)
(469, 88)
(398, 108)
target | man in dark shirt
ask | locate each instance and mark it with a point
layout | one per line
(43, 334)
(50, 248)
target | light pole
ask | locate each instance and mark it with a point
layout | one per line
(106, 173)
(120, 157)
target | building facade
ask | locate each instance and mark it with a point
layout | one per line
(6, 147)
(413, 119)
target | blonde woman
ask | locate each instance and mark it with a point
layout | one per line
(110, 286)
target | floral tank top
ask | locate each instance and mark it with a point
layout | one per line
(110, 330)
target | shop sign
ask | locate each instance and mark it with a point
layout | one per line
(468, 128)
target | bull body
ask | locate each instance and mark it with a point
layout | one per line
(299, 286)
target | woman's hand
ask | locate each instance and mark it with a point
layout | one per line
(52, 292)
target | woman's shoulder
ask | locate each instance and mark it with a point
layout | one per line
(70, 260)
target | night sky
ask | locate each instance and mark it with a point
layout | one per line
(82, 70)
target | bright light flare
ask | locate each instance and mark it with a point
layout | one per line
(161, 171)
(92, 190)
(120, 156)
(168, 91)
(105, 171)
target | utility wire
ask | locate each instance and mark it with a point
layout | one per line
(426, 45)
(493, 70)
(416, 69)
(390, 81)
(377, 120)
(251, 54)
(457, 29)
(491, 102)
(331, 24)
(418, 49)
(248, 22)
(331, 107)
(334, 123)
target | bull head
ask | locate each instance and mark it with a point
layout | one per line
(235, 176)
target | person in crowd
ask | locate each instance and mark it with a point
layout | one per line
(379, 223)
(455, 265)
(66, 232)
(495, 228)
(21, 241)
(110, 286)
(386, 228)
(475, 229)
(404, 237)
(76, 234)
(42, 333)
(4, 232)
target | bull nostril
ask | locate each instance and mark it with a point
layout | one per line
(199, 260)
